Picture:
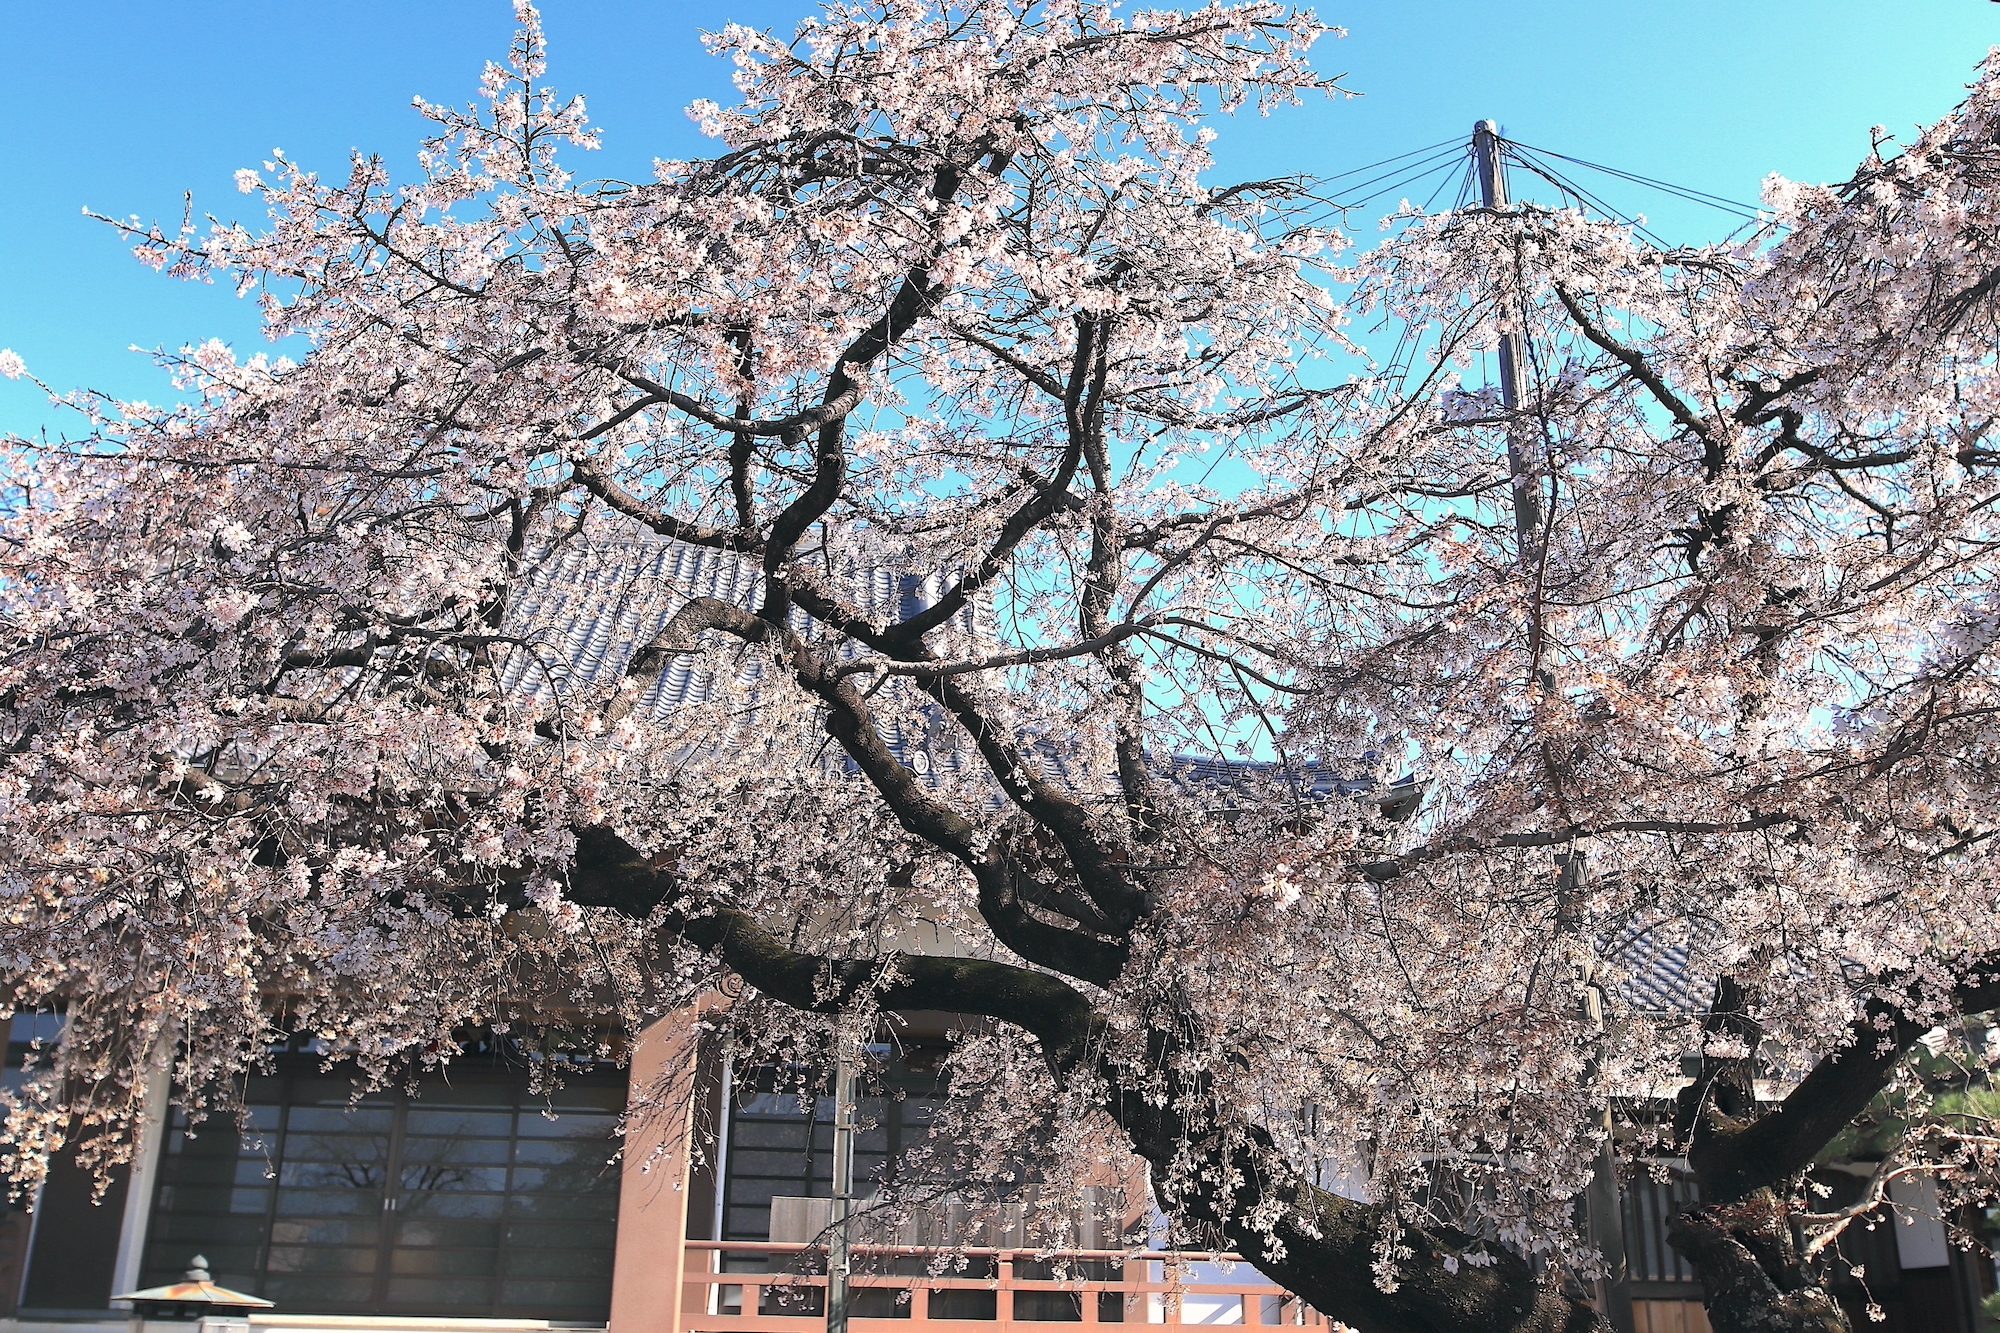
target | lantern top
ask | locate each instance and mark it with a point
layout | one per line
(197, 1288)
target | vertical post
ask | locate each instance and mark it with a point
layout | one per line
(837, 1261)
(126, 1268)
(1604, 1215)
(726, 1103)
(1492, 168)
(649, 1290)
(1603, 1207)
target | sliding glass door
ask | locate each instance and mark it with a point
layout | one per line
(473, 1197)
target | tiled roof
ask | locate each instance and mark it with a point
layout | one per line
(593, 604)
(1649, 972)
(1309, 780)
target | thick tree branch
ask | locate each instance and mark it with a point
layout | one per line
(610, 872)
(1048, 499)
(849, 721)
(1734, 1156)
(1635, 361)
(1324, 1251)
(918, 294)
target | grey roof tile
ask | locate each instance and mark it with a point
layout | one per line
(1652, 973)
(589, 606)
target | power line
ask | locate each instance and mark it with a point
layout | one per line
(1721, 203)
(1445, 169)
(1413, 171)
(1569, 187)
(1414, 152)
(1415, 167)
(1409, 171)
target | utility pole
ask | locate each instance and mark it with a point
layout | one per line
(837, 1260)
(1603, 1213)
(1513, 361)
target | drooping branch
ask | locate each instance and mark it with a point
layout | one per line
(917, 295)
(1383, 871)
(607, 489)
(1643, 371)
(839, 400)
(996, 661)
(1046, 500)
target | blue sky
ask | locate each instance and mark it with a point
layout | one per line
(121, 106)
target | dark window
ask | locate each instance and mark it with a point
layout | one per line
(1869, 1243)
(1067, 1306)
(781, 1145)
(75, 1229)
(75, 1239)
(473, 1197)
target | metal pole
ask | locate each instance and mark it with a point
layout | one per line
(843, 1185)
(1492, 166)
(725, 1111)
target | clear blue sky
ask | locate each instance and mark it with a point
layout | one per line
(121, 105)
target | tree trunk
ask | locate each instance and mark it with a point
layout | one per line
(1752, 1276)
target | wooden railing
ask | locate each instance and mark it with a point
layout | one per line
(743, 1287)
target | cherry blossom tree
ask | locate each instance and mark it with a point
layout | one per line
(1321, 733)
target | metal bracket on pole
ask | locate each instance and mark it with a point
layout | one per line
(1492, 168)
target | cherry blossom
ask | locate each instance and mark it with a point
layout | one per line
(1280, 813)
